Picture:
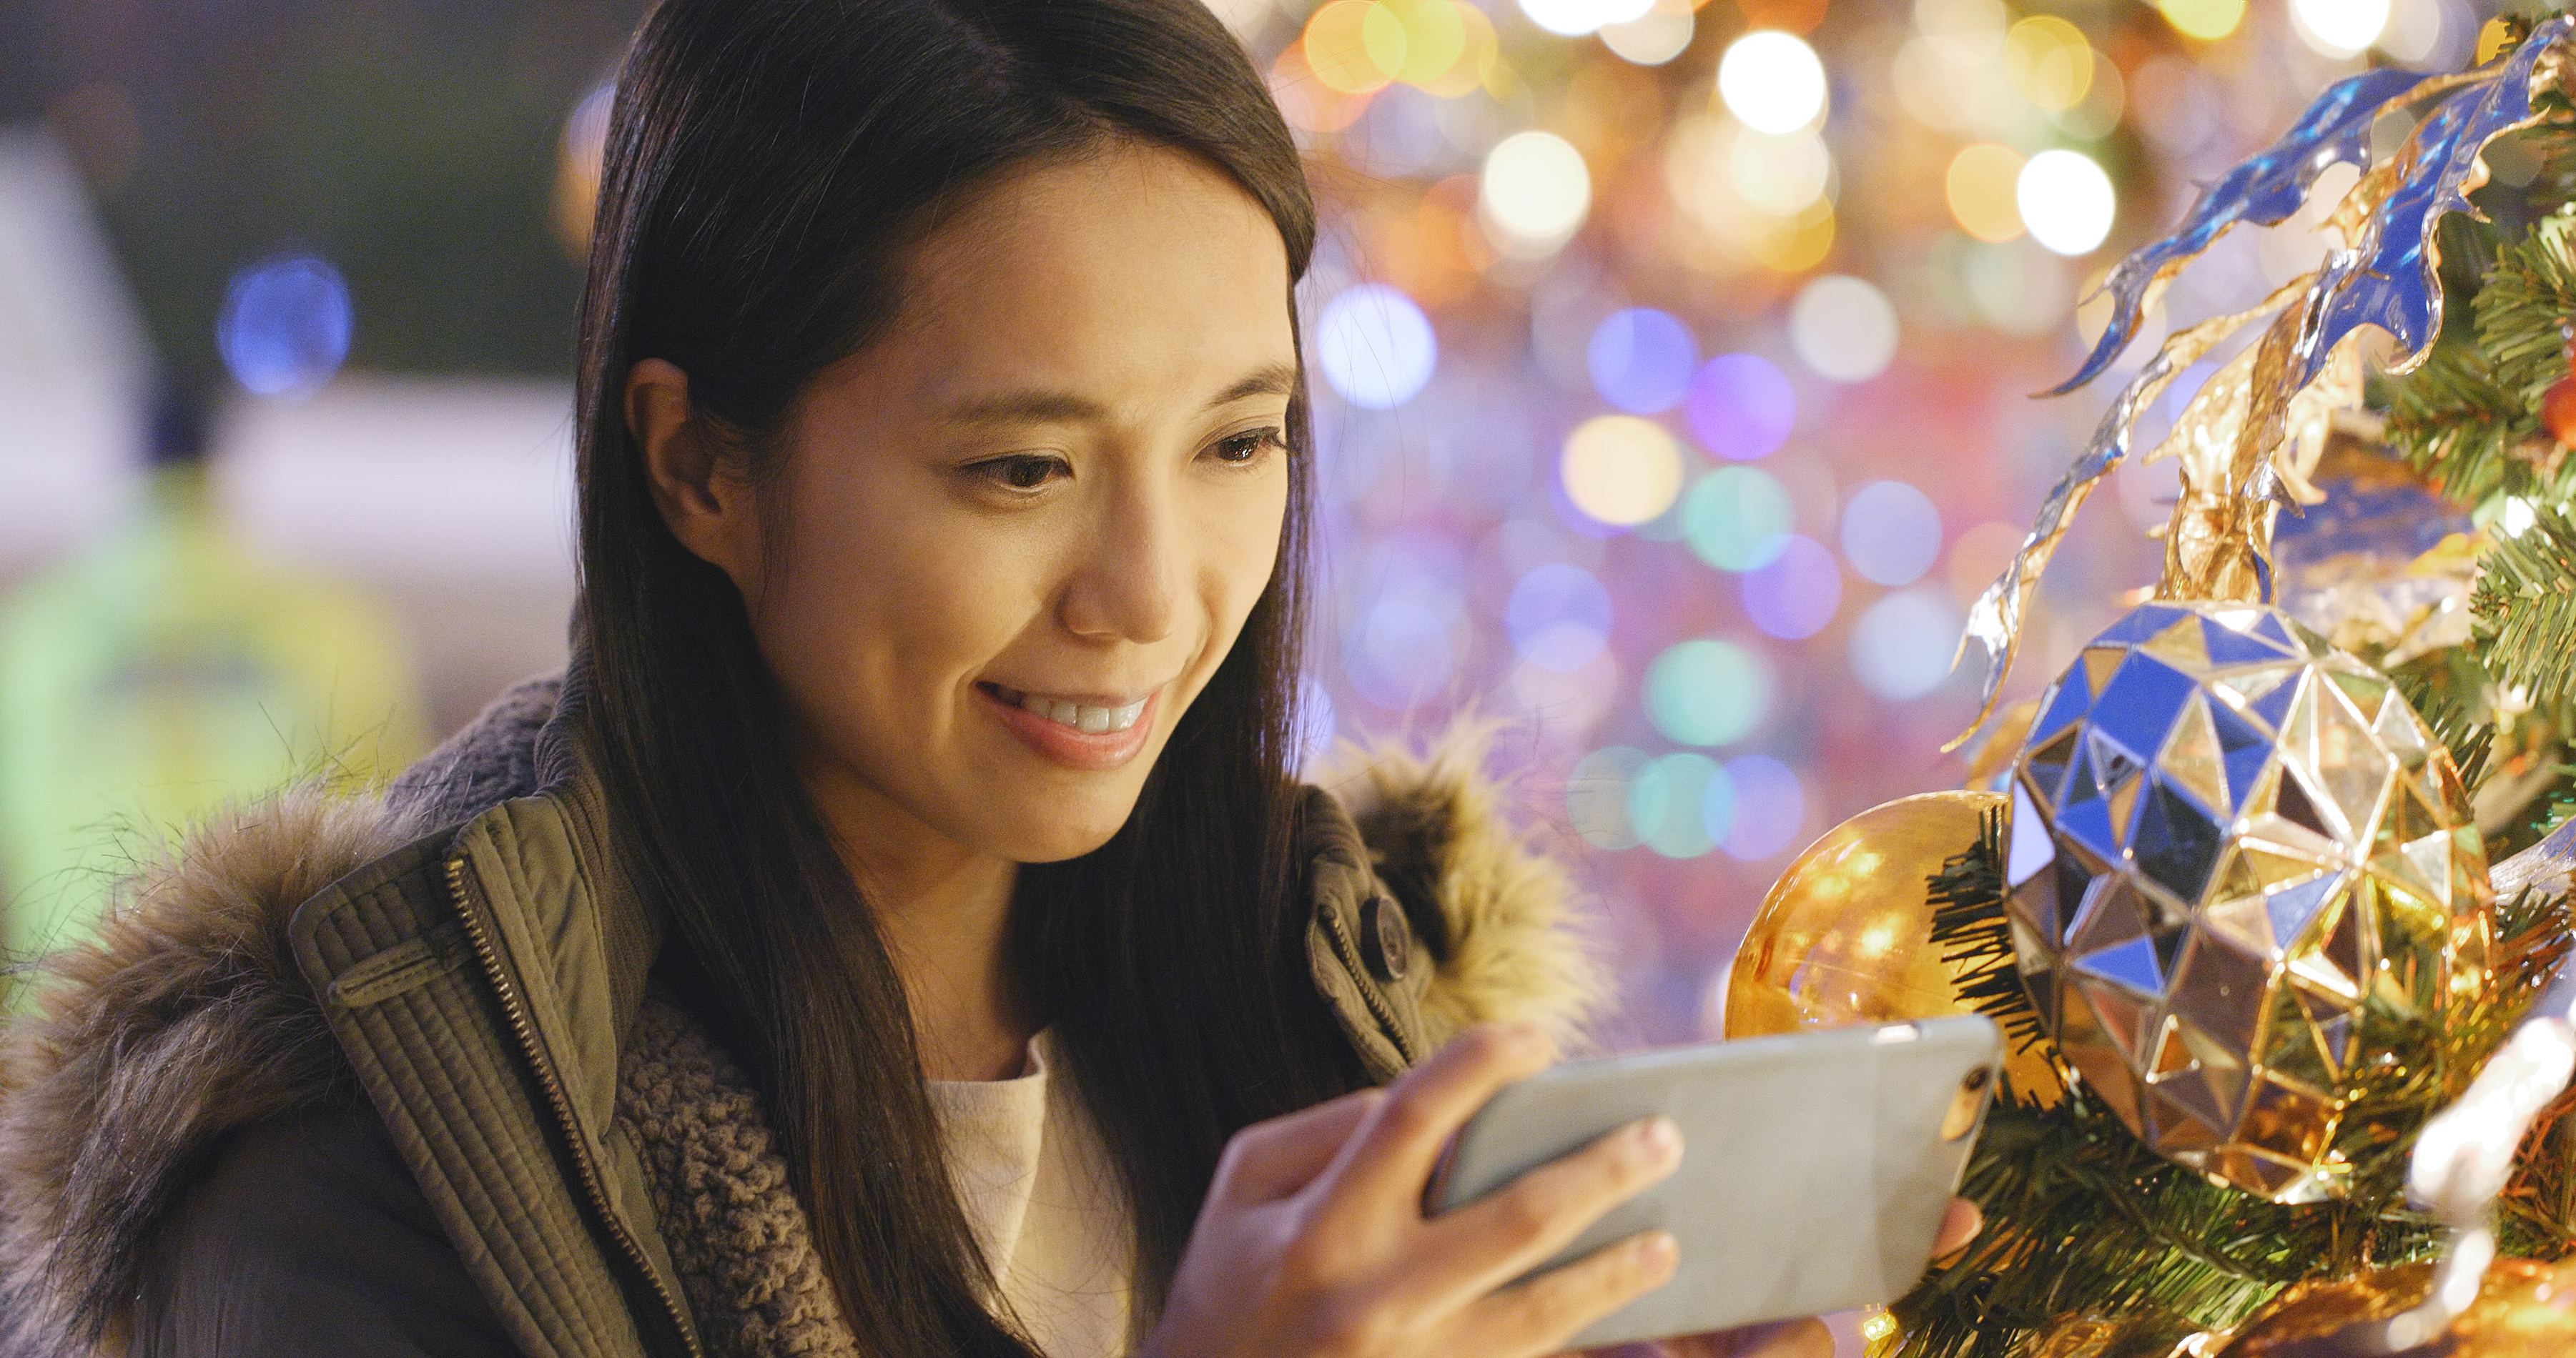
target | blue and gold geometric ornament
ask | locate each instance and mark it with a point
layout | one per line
(2234, 849)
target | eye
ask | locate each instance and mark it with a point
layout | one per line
(1248, 447)
(1023, 471)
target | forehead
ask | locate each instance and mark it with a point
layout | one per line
(1129, 272)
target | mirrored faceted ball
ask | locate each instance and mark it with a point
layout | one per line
(2235, 851)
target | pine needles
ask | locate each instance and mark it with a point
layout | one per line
(2086, 1225)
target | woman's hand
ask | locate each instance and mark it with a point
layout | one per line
(1313, 1242)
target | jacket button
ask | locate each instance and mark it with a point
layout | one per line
(1390, 939)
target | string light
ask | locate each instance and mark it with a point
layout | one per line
(1772, 81)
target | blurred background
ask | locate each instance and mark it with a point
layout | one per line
(1674, 367)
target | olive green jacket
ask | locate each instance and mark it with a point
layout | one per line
(457, 954)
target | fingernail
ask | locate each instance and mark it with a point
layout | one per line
(1660, 1137)
(1658, 1253)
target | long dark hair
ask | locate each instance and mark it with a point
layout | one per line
(770, 164)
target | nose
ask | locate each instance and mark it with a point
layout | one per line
(1128, 582)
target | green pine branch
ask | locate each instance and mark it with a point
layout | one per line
(2085, 1223)
(2524, 607)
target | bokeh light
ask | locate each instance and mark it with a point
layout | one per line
(1558, 617)
(1641, 360)
(1535, 191)
(284, 330)
(1772, 81)
(1844, 328)
(2066, 201)
(1355, 46)
(2048, 62)
(1621, 469)
(2339, 28)
(1668, 804)
(1796, 593)
(1981, 188)
(1406, 643)
(1891, 533)
(2207, 20)
(1782, 175)
(1375, 347)
(1575, 18)
(1770, 808)
(1737, 518)
(1741, 407)
(1707, 692)
(1596, 796)
(1902, 645)
(1653, 38)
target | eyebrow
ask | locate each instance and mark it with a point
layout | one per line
(1043, 406)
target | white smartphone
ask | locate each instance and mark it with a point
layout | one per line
(1816, 1167)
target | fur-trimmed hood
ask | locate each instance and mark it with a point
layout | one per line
(187, 1015)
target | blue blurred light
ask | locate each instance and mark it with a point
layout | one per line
(1741, 407)
(1596, 796)
(1891, 533)
(1737, 518)
(1559, 618)
(1707, 692)
(1720, 802)
(1903, 645)
(1375, 347)
(285, 325)
(1666, 801)
(1770, 808)
(1796, 593)
(1404, 648)
(1641, 360)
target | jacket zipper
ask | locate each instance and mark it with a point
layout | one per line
(1349, 952)
(556, 1098)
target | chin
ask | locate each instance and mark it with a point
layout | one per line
(1056, 830)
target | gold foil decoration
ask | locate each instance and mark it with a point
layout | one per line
(2238, 860)
(2524, 1309)
(1994, 621)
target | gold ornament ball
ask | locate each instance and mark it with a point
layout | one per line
(2524, 1310)
(2239, 864)
(1845, 935)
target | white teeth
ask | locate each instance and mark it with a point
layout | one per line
(1090, 721)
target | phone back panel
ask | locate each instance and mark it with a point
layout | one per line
(1814, 1176)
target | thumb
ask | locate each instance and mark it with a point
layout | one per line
(1271, 1160)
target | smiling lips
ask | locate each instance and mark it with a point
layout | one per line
(1093, 737)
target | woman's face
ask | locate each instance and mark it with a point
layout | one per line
(1017, 535)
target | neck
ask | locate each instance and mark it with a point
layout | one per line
(943, 910)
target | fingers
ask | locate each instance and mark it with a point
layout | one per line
(1957, 1229)
(1390, 1158)
(1541, 1315)
(1521, 1225)
(1270, 1160)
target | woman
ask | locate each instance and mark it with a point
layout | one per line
(899, 933)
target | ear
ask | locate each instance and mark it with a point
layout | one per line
(702, 495)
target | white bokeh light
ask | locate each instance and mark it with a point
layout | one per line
(1575, 18)
(1772, 81)
(1375, 347)
(1844, 328)
(2339, 28)
(2066, 201)
(1650, 39)
(1535, 190)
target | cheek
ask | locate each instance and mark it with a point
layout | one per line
(879, 607)
(1245, 551)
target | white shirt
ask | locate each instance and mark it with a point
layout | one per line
(1042, 1197)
